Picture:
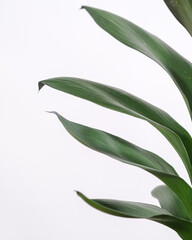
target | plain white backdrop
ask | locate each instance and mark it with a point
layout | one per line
(40, 164)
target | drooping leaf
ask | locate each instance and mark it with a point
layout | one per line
(179, 69)
(170, 202)
(141, 210)
(182, 10)
(129, 153)
(124, 102)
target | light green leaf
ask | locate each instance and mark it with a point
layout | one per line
(124, 102)
(133, 36)
(129, 153)
(170, 202)
(182, 10)
(141, 210)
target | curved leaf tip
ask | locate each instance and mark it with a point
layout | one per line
(40, 85)
(83, 7)
(78, 193)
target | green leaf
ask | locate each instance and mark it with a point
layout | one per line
(179, 69)
(124, 102)
(182, 10)
(141, 210)
(170, 202)
(129, 153)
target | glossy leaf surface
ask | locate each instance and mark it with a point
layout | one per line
(124, 102)
(182, 10)
(170, 202)
(141, 210)
(135, 37)
(129, 153)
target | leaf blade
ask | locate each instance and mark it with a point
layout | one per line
(169, 201)
(179, 69)
(129, 153)
(141, 210)
(182, 10)
(121, 101)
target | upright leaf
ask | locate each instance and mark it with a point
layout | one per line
(182, 10)
(133, 36)
(141, 210)
(170, 202)
(124, 102)
(129, 153)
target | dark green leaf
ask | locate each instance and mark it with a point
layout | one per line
(129, 153)
(133, 36)
(141, 210)
(182, 10)
(124, 102)
(170, 202)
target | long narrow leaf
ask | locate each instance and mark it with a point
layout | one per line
(124, 102)
(141, 210)
(129, 153)
(133, 36)
(182, 10)
(170, 202)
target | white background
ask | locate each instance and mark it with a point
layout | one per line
(40, 164)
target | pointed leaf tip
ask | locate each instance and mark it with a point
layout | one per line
(51, 112)
(84, 7)
(78, 193)
(40, 85)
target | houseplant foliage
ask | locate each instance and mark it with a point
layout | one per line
(175, 196)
